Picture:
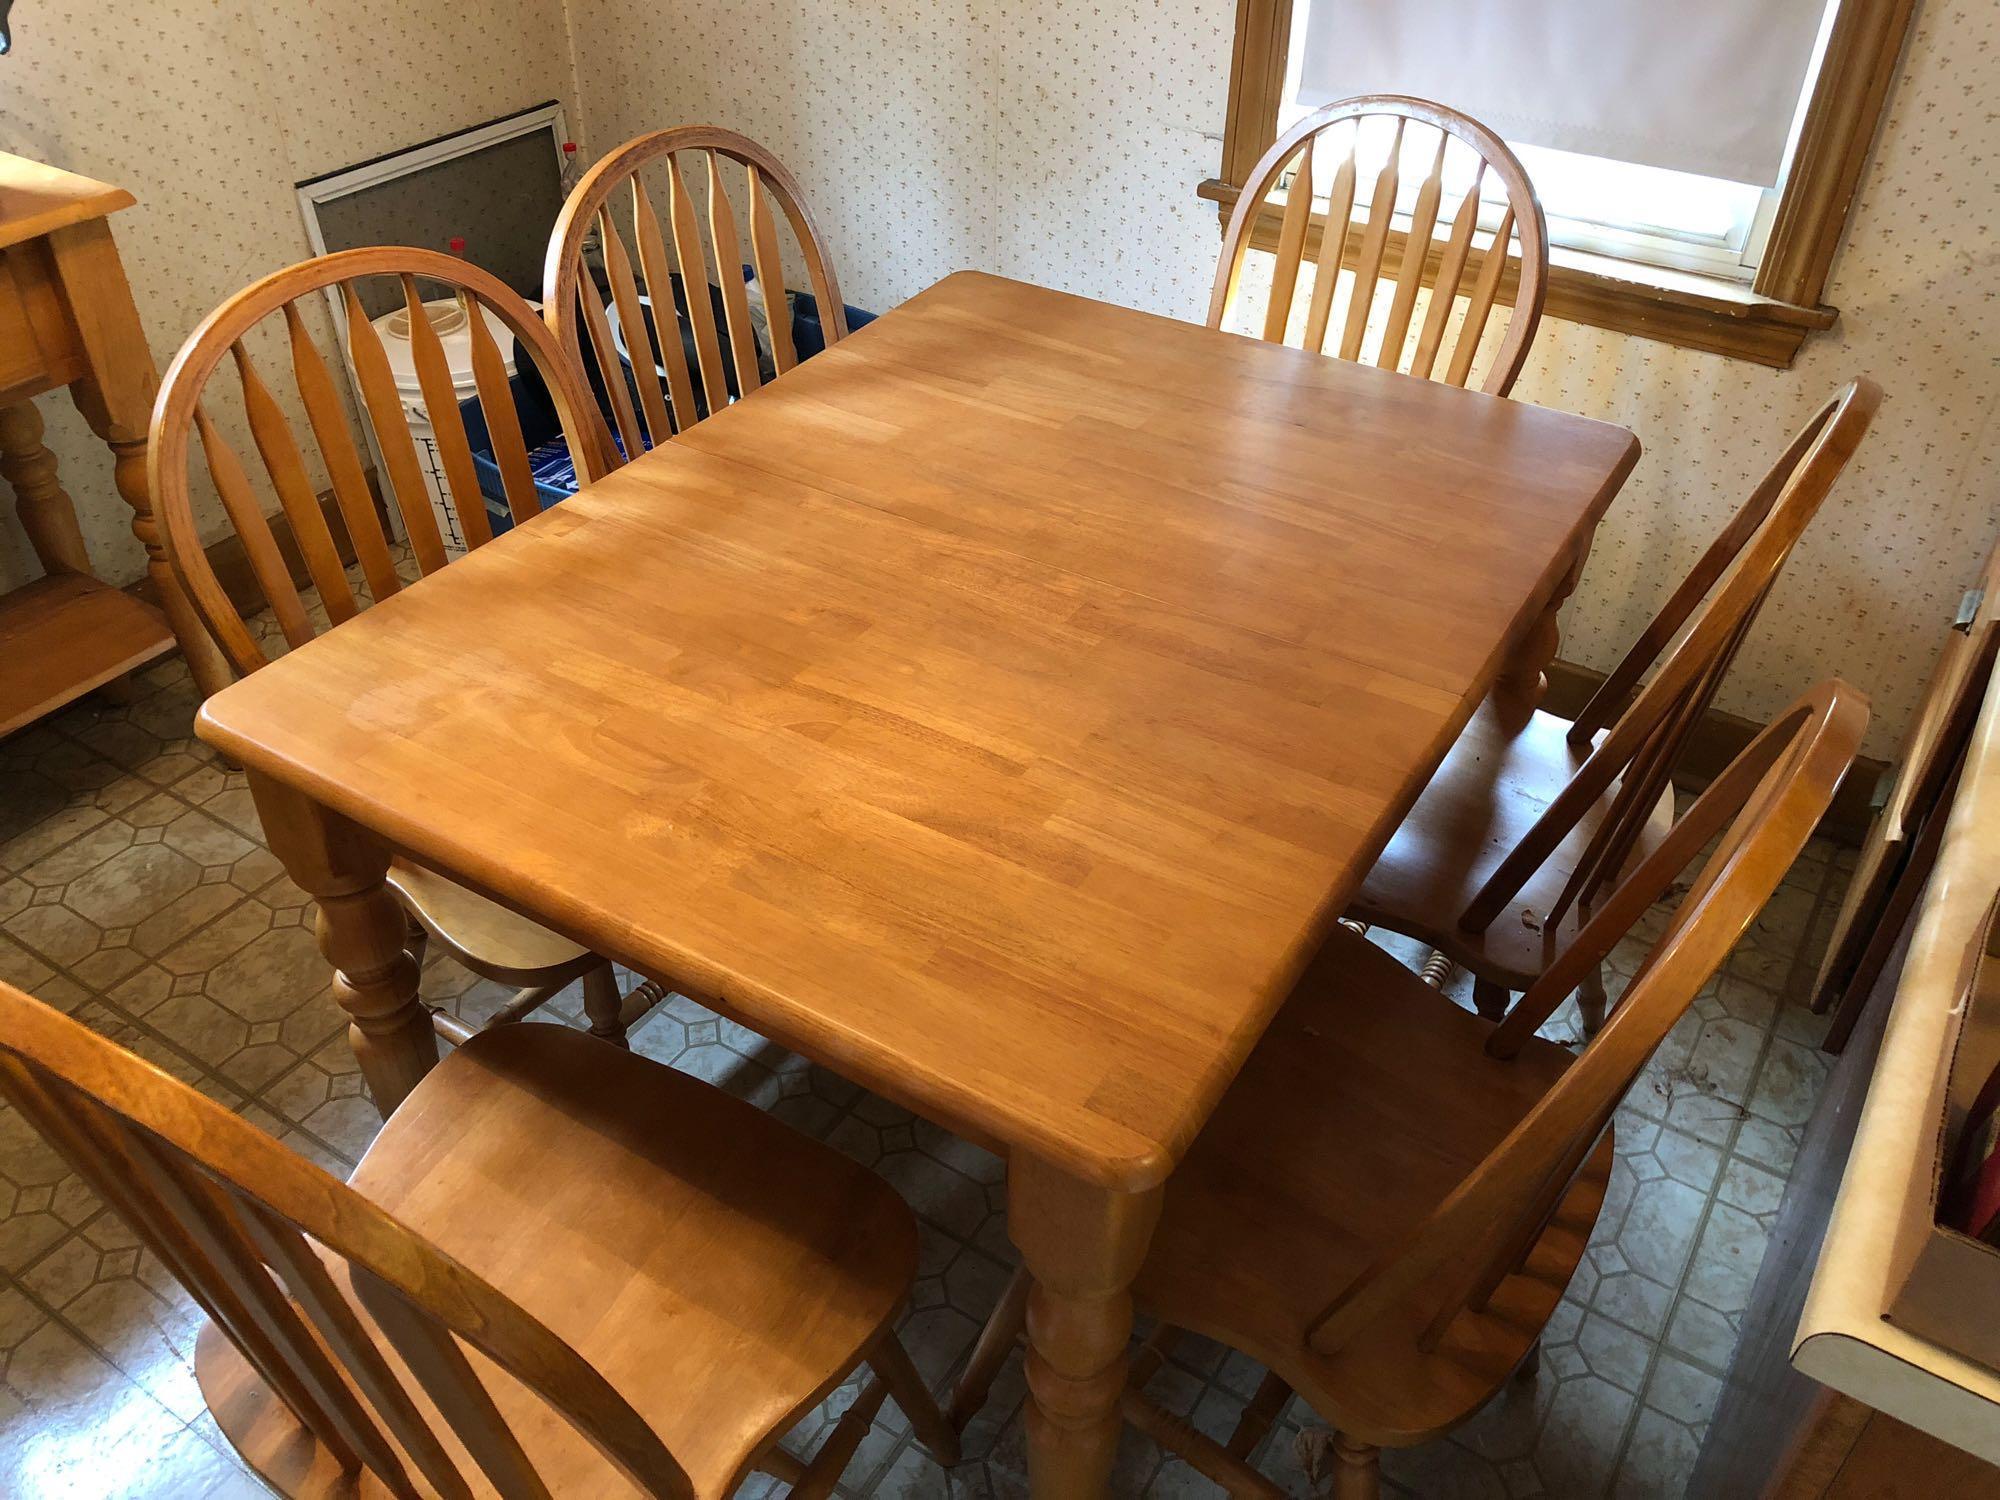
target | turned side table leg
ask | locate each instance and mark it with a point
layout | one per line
(116, 399)
(363, 931)
(206, 663)
(1083, 1245)
(47, 514)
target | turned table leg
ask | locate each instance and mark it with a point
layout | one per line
(1083, 1245)
(1523, 680)
(116, 399)
(363, 931)
(127, 443)
(47, 514)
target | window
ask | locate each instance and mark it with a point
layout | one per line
(1652, 215)
(1715, 234)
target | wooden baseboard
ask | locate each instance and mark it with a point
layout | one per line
(1717, 740)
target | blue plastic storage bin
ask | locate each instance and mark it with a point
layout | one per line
(548, 454)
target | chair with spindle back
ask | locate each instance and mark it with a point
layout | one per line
(493, 942)
(561, 1269)
(1434, 1175)
(672, 394)
(1523, 828)
(1374, 249)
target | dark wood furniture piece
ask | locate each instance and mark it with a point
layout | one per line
(997, 709)
(67, 319)
(1781, 1435)
(1827, 1394)
(1894, 865)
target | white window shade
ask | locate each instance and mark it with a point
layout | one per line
(1702, 86)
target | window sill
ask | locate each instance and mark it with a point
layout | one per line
(1674, 307)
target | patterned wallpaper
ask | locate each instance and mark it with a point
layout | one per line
(209, 111)
(1883, 565)
(1062, 143)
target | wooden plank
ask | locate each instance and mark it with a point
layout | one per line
(65, 635)
(729, 268)
(392, 434)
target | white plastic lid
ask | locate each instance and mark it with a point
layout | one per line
(448, 318)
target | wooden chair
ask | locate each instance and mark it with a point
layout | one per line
(1379, 255)
(487, 938)
(644, 268)
(1520, 831)
(560, 1270)
(1387, 1206)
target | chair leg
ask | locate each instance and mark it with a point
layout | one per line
(781, 1465)
(817, 1479)
(1436, 970)
(443, 1022)
(996, 1341)
(601, 1004)
(1258, 1416)
(1357, 1470)
(1531, 1363)
(639, 1002)
(890, 1360)
(1491, 999)
(1149, 1358)
(418, 945)
(1591, 1001)
(1196, 1448)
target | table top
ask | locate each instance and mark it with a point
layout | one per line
(996, 709)
(37, 199)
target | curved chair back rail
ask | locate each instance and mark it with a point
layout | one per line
(233, 1214)
(1470, 261)
(1646, 738)
(1765, 806)
(705, 244)
(179, 413)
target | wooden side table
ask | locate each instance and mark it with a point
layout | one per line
(67, 319)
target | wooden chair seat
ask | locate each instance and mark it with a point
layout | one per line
(486, 937)
(1493, 787)
(723, 1272)
(1370, 1098)
(1502, 859)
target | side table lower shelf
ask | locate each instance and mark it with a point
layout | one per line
(62, 636)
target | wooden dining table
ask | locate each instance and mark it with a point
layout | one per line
(997, 709)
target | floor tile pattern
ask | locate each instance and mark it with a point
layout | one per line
(136, 893)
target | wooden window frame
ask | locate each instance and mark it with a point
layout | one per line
(1766, 321)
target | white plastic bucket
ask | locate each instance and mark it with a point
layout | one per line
(448, 318)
